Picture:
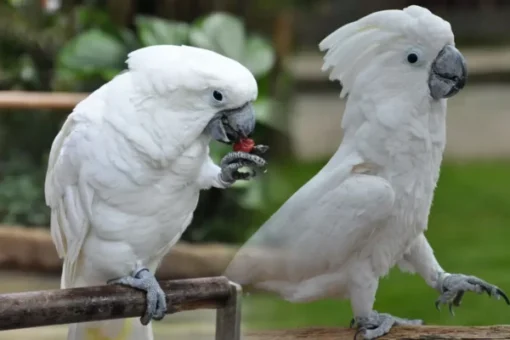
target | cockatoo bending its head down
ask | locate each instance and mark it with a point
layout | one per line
(204, 87)
(125, 171)
(367, 209)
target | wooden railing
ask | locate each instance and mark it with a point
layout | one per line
(39, 100)
(63, 306)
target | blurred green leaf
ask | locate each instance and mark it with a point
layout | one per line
(266, 110)
(93, 51)
(109, 74)
(16, 3)
(225, 34)
(28, 70)
(157, 31)
(220, 32)
(263, 106)
(253, 197)
(129, 39)
(242, 184)
(88, 17)
(259, 55)
(218, 150)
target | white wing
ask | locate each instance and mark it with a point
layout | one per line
(317, 229)
(66, 191)
(95, 156)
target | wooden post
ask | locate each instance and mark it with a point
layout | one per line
(228, 319)
(63, 306)
(397, 333)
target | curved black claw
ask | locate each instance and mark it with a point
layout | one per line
(454, 286)
(450, 308)
(259, 150)
(143, 279)
(503, 295)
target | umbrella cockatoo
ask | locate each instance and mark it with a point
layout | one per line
(367, 209)
(127, 167)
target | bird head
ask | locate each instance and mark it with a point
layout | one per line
(398, 50)
(205, 92)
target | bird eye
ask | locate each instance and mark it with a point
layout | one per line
(218, 96)
(412, 58)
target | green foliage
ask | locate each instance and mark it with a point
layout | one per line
(94, 56)
(93, 53)
(20, 194)
(225, 34)
(156, 31)
(24, 141)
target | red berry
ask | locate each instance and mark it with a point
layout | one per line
(244, 145)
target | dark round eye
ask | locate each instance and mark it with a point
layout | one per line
(218, 96)
(412, 58)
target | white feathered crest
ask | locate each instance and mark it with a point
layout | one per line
(351, 47)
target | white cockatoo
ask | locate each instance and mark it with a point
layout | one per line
(127, 167)
(367, 209)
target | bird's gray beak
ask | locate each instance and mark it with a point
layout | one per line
(448, 73)
(228, 126)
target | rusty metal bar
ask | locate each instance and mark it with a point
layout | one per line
(63, 306)
(39, 100)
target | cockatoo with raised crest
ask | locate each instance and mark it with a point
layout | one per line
(127, 167)
(368, 208)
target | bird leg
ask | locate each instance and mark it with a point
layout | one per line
(143, 279)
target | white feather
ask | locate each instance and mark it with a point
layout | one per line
(359, 42)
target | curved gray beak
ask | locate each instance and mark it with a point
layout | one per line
(228, 126)
(448, 73)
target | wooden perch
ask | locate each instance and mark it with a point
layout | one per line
(39, 100)
(62, 306)
(397, 333)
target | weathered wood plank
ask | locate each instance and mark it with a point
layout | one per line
(397, 333)
(62, 306)
(39, 100)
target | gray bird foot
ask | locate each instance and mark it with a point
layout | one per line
(453, 287)
(379, 324)
(143, 279)
(233, 161)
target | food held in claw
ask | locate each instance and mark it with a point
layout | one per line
(244, 145)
